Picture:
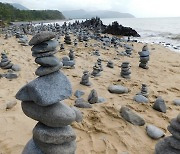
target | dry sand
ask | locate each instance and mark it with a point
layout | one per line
(103, 131)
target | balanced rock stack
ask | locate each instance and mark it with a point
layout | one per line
(144, 90)
(170, 144)
(96, 70)
(144, 57)
(5, 62)
(85, 79)
(128, 49)
(125, 70)
(67, 39)
(42, 101)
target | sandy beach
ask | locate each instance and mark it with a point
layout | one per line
(103, 130)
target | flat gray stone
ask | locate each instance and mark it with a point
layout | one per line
(7, 66)
(175, 124)
(56, 115)
(131, 116)
(176, 102)
(45, 46)
(154, 132)
(52, 135)
(79, 116)
(16, 68)
(117, 89)
(93, 97)
(44, 54)
(101, 100)
(163, 147)
(48, 61)
(174, 132)
(140, 99)
(160, 105)
(46, 90)
(65, 148)
(43, 70)
(70, 63)
(3, 64)
(31, 148)
(78, 93)
(144, 53)
(41, 37)
(10, 76)
(175, 143)
(81, 103)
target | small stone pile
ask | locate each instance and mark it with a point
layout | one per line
(71, 54)
(170, 144)
(144, 57)
(99, 63)
(67, 39)
(62, 47)
(144, 90)
(5, 62)
(110, 64)
(42, 101)
(125, 70)
(85, 79)
(128, 49)
(96, 70)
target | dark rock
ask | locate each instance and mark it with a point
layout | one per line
(175, 143)
(52, 135)
(160, 105)
(174, 132)
(131, 117)
(11, 76)
(140, 99)
(42, 70)
(44, 54)
(78, 93)
(32, 148)
(7, 66)
(65, 148)
(117, 89)
(41, 37)
(48, 61)
(154, 132)
(45, 46)
(93, 97)
(46, 90)
(61, 114)
(81, 103)
(85, 79)
(175, 124)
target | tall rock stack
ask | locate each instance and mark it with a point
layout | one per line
(144, 57)
(170, 144)
(42, 101)
(67, 39)
(5, 62)
(144, 90)
(125, 70)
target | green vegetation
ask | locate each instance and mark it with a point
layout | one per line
(10, 14)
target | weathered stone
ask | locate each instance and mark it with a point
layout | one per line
(81, 103)
(11, 76)
(144, 53)
(41, 37)
(175, 124)
(32, 148)
(48, 61)
(10, 104)
(16, 67)
(44, 54)
(131, 117)
(140, 99)
(93, 97)
(174, 132)
(154, 132)
(3, 64)
(175, 143)
(178, 118)
(7, 66)
(43, 70)
(52, 135)
(176, 102)
(162, 147)
(79, 115)
(56, 115)
(85, 79)
(160, 105)
(65, 148)
(45, 47)
(46, 90)
(78, 93)
(117, 89)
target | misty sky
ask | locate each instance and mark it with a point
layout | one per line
(139, 8)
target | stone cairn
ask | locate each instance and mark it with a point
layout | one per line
(96, 70)
(5, 62)
(144, 57)
(62, 47)
(128, 50)
(71, 54)
(125, 70)
(67, 39)
(144, 90)
(42, 101)
(85, 79)
(110, 64)
(170, 144)
(99, 63)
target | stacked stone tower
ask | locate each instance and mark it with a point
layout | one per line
(125, 70)
(144, 57)
(42, 101)
(170, 144)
